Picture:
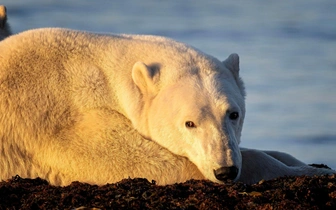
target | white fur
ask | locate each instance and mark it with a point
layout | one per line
(98, 108)
(265, 165)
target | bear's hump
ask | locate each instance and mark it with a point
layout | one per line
(146, 48)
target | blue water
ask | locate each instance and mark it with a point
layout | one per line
(287, 50)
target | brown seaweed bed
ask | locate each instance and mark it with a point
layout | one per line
(303, 192)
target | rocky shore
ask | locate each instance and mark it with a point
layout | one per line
(282, 193)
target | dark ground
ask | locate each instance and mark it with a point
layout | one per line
(282, 193)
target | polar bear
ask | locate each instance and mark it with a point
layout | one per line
(96, 108)
(4, 26)
(57, 94)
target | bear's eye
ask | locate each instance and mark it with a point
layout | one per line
(190, 124)
(234, 115)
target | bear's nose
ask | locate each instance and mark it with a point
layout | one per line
(226, 173)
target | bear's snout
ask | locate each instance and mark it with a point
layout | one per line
(226, 173)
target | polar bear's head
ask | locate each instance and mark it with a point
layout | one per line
(199, 115)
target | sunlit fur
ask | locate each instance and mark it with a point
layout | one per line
(97, 108)
(213, 143)
(56, 99)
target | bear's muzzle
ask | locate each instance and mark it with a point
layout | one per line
(226, 173)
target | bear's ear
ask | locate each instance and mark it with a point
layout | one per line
(232, 63)
(3, 16)
(143, 78)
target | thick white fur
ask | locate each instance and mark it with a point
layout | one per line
(4, 26)
(98, 108)
(265, 165)
(56, 83)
